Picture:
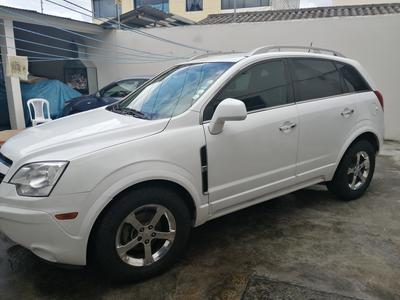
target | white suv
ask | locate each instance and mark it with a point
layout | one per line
(123, 185)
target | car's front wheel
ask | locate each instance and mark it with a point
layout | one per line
(141, 234)
(355, 171)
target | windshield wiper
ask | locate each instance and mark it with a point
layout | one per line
(113, 107)
(132, 112)
(127, 111)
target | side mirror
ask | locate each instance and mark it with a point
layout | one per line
(98, 95)
(228, 110)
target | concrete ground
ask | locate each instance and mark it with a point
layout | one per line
(306, 245)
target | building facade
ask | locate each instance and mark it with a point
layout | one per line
(195, 10)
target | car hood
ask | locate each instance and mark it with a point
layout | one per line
(77, 135)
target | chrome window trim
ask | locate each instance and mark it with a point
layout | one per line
(262, 110)
(297, 103)
(333, 96)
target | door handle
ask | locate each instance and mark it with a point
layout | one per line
(287, 127)
(347, 112)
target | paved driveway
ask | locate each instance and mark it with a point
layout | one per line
(306, 243)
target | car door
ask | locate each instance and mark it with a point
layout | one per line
(256, 156)
(327, 114)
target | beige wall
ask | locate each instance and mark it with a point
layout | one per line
(127, 5)
(358, 2)
(178, 7)
(372, 40)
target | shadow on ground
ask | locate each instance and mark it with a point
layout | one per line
(307, 239)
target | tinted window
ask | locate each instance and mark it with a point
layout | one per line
(315, 78)
(162, 5)
(261, 86)
(104, 8)
(194, 5)
(353, 81)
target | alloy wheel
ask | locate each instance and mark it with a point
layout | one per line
(359, 170)
(145, 235)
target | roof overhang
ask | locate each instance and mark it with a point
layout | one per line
(303, 13)
(147, 16)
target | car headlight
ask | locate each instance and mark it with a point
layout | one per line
(38, 179)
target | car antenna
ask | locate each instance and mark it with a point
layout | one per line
(309, 49)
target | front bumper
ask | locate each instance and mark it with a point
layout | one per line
(40, 232)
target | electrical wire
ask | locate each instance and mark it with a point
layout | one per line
(112, 22)
(117, 63)
(129, 28)
(76, 43)
(81, 35)
(69, 50)
(60, 57)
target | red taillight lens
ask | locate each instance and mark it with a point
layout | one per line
(380, 97)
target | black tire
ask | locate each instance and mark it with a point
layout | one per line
(104, 250)
(340, 182)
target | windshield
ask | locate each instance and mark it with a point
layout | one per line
(122, 88)
(173, 92)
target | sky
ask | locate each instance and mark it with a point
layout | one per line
(52, 9)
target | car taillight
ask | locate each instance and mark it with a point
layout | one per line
(380, 97)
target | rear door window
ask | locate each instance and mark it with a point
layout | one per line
(315, 78)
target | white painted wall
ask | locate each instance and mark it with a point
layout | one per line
(372, 40)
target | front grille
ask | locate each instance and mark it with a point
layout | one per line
(5, 161)
(2, 177)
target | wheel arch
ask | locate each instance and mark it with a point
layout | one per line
(368, 135)
(165, 183)
(169, 184)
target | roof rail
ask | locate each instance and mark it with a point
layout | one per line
(266, 49)
(211, 54)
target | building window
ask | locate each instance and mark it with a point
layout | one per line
(162, 5)
(194, 5)
(104, 9)
(230, 4)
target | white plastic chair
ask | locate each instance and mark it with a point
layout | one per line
(38, 105)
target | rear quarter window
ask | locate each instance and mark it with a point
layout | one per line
(352, 79)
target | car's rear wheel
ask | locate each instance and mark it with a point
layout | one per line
(355, 171)
(141, 234)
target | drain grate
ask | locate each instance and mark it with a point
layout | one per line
(264, 288)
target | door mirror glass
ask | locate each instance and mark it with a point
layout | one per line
(228, 110)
